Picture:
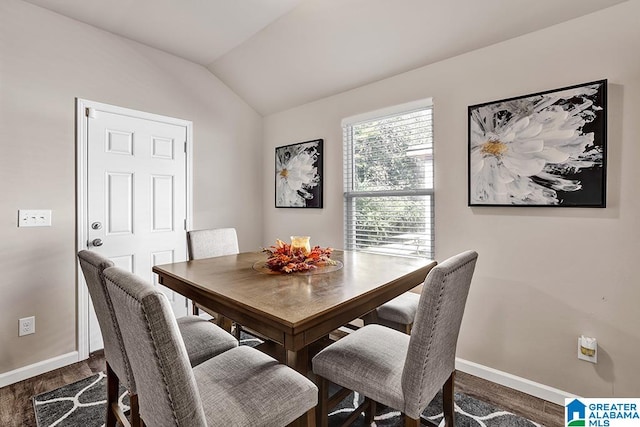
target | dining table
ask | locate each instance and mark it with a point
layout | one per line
(298, 309)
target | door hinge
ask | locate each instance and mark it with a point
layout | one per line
(90, 112)
(185, 224)
(185, 146)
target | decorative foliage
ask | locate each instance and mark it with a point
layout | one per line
(285, 260)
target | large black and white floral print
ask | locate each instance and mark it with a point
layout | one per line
(546, 149)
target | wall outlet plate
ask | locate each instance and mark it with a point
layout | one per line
(588, 354)
(27, 326)
(34, 218)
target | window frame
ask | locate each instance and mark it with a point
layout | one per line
(350, 195)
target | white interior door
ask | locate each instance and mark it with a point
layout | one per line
(136, 196)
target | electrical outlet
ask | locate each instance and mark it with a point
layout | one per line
(26, 326)
(588, 349)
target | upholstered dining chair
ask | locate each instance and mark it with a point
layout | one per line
(241, 387)
(399, 313)
(203, 340)
(211, 243)
(403, 371)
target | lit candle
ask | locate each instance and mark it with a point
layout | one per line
(300, 243)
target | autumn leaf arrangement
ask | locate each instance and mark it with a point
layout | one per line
(283, 259)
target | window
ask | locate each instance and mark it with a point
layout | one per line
(388, 181)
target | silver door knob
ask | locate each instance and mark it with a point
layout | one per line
(96, 242)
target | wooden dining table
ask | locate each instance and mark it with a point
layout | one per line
(294, 310)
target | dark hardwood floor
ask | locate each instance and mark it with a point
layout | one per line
(16, 409)
(540, 411)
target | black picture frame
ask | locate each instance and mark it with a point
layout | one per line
(544, 149)
(299, 175)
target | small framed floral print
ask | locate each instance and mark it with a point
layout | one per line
(299, 175)
(545, 149)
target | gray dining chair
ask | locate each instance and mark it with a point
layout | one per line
(211, 243)
(403, 371)
(241, 387)
(398, 313)
(203, 340)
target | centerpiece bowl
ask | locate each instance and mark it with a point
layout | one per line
(297, 257)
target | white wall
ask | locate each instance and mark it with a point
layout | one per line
(544, 276)
(46, 61)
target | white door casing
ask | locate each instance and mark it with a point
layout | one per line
(134, 191)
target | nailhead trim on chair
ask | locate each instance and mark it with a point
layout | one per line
(155, 349)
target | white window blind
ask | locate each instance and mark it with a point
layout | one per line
(388, 181)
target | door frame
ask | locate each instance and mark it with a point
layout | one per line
(85, 107)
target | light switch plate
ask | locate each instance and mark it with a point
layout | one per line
(34, 218)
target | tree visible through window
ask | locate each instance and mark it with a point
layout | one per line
(388, 170)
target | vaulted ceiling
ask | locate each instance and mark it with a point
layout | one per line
(277, 54)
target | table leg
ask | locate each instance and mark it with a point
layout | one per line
(225, 323)
(299, 360)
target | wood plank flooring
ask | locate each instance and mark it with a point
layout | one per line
(540, 411)
(16, 409)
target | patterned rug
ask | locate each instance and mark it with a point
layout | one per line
(470, 412)
(83, 404)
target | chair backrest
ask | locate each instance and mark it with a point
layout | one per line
(93, 266)
(434, 337)
(167, 390)
(212, 243)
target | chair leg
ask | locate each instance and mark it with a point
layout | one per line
(113, 384)
(115, 414)
(136, 421)
(447, 401)
(308, 419)
(311, 417)
(322, 411)
(410, 422)
(370, 412)
(195, 309)
(237, 331)
(355, 414)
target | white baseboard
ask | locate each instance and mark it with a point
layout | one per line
(524, 385)
(29, 371)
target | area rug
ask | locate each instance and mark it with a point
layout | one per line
(470, 412)
(83, 404)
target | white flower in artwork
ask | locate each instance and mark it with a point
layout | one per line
(296, 174)
(521, 150)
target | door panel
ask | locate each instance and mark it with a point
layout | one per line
(163, 197)
(119, 203)
(136, 191)
(123, 261)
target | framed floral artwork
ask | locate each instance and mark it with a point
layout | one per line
(299, 175)
(544, 149)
